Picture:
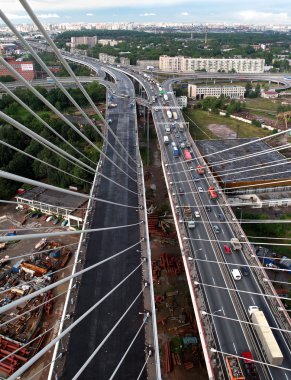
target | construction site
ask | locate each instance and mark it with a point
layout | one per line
(25, 267)
(180, 349)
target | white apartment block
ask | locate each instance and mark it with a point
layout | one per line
(106, 58)
(214, 65)
(200, 92)
(182, 101)
(84, 40)
(108, 42)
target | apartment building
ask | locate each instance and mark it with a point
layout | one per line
(83, 40)
(238, 65)
(201, 92)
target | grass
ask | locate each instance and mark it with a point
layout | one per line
(204, 118)
(267, 105)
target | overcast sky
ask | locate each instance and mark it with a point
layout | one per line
(189, 11)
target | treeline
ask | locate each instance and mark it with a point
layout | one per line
(142, 45)
(17, 163)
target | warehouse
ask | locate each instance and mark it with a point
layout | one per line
(67, 206)
(260, 170)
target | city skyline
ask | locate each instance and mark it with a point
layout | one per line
(175, 11)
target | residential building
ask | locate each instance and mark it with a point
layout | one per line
(200, 92)
(182, 101)
(106, 58)
(238, 65)
(270, 94)
(105, 42)
(83, 40)
(125, 61)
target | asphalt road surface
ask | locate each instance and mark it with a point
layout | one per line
(96, 283)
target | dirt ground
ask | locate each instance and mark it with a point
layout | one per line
(10, 219)
(177, 311)
(222, 131)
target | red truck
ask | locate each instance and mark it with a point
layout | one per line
(212, 193)
(200, 169)
(250, 366)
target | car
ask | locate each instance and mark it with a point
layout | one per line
(244, 270)
(64, 222)
(49, 218)
(181, 191)
(216, 228)
(177, 135)
(227, 250)
(208, 209)
(38, 215)
(221, 217)
(191, 168)
(185, 138)
(197, 214)
(173, 143)
(236, 274)
(33, 215)
(200, 189)
(56, 221)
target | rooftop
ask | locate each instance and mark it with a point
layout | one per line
(255, 168)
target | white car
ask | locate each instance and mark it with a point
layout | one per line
(197, 214)
(200, 190)
(236, 274)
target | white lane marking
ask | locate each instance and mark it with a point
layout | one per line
(213, 281)
(253, 300)
(234, 347)
(222, 309)
(199, 236)
(286, 375)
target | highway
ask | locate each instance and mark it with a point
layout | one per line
(232, 337)
(95, 284)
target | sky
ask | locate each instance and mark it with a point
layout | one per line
(259, 12)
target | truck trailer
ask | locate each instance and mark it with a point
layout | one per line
(269, 344)
(175, 115)
(189, 217)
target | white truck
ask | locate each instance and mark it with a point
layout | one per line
(166, 97)
(266, 336)
(175, 115)
(235, 243)
(166, 140)
(169, 114)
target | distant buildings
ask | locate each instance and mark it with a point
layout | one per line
(25, 69)
(147, 62)
(201, 92)
(182, 101)
(105, 42)
(83, 40)
(111, 59)
(183, 64)
(270, 94)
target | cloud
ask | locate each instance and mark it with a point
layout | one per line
(257, 17)
(184, 14)
(89, 14)
(13, 16)
(147, 14)
(48, 15)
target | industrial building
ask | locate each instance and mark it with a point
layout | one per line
(24, 68)
(201, 92)
(251, 173)
(50, 202)
(213, 65)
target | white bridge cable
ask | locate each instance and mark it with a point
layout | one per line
(60, 115)
(222, 176)
(49, 345)
(4, 239)
(97, 349)
(36, 21)
(242, 265)
(127, 350)
(143, 367)
(36, 253)
(18, 178)
(232, 204)
(27, 204)
(43, 162)
(241, 221)
(24, 105)
(253, 360)
(235, 147)
(47, 144)
(242, 291)
(242, 242)
(63, 280)
(220, 189)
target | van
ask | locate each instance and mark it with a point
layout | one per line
(236, 274)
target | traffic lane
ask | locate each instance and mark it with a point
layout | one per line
(213, 276)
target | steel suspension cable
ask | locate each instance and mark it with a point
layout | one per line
(88, 361)
(31, 361)
(63, 280)
(143, 367)
(36, 21)
(127, 350)
(18, 178)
